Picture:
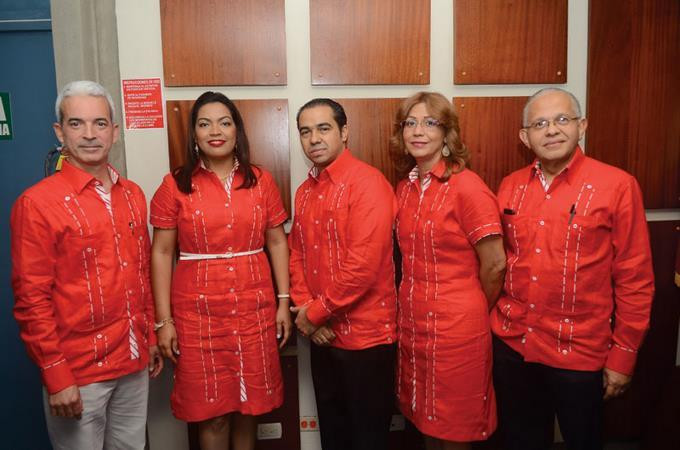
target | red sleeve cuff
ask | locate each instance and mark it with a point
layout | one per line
(58, 377)
(318, 313)
(621, 360)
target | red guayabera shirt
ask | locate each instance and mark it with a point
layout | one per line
(81, 278)
(579, 282)
(341, 252)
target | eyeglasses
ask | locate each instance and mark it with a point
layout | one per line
(559, 121)
(425, 123)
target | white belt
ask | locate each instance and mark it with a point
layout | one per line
(184, 256)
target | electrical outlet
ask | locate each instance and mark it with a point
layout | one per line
(309, 423)
(398, 423)
(269, 431)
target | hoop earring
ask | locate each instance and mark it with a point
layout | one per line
(196, 150)
(446, 152)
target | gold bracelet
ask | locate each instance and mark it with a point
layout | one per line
(158, 325)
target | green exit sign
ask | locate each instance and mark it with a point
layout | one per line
(5, 117)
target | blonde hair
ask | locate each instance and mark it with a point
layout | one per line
(442, 110)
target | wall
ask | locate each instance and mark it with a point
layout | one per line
(140, 56)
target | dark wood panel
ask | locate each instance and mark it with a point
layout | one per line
(370, 127)
(637, 414)
(510, 41)
(370, 42)
(489, 126)
(266, 123)
(634, 93)
(230, 42)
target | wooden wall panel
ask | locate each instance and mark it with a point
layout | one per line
(490, 129)
(230, 42)
(370, 42)
(510, 41)
(634, 93)
(370, 127)
(266, 123)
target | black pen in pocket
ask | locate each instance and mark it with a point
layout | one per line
(572, 213)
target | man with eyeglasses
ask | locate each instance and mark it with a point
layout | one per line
(579, 284)
(342, 282)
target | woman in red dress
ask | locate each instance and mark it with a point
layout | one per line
(453, 263)
(217, 317)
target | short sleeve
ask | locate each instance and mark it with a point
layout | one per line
(164, 204)
(276, 213)
(477, 208)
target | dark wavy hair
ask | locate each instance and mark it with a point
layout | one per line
(442, 110)
(183, 174)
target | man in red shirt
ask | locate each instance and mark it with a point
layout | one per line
(342, 281)
(80, 274)
(579, 284)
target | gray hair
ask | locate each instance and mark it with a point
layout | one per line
(575, 105)
(82, 87)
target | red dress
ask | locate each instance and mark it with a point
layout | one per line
(224, 309)
(444, 374)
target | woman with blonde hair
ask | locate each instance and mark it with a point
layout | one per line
(449, 235)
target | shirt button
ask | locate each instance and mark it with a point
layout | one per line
(229, 248)
(534, 278)
(100, 364)
(198, 212)
(201, 296)
(540, 222)
(229, 226)
(227, 205)
(532, 306)
(382, 303)
(124, 263)
(530, 329)
(564, 352)
(316, 222)
(387, 325)
(99, 336)
(89, 249)
(231, 268)
(233, 311)
(566, 320)
(548, 196)
(538, 250)
(130, 291)
(320, 197)
(483, 433)
(234, 332)
(231, 289)
(67, 198)
(389, 339)
(236, 352)
(314, 271)
(316, 247)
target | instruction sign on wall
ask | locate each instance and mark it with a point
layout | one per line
(142, 102)
(5, 117)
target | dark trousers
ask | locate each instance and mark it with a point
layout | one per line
(354, 396)
(530, 394)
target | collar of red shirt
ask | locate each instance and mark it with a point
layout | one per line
(336, 169)
(79, 179)
(570, 171)
(437, 171)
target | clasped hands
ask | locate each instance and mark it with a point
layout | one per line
(320, 335)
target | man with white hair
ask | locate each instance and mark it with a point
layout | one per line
(80, 274)
(579, 284)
